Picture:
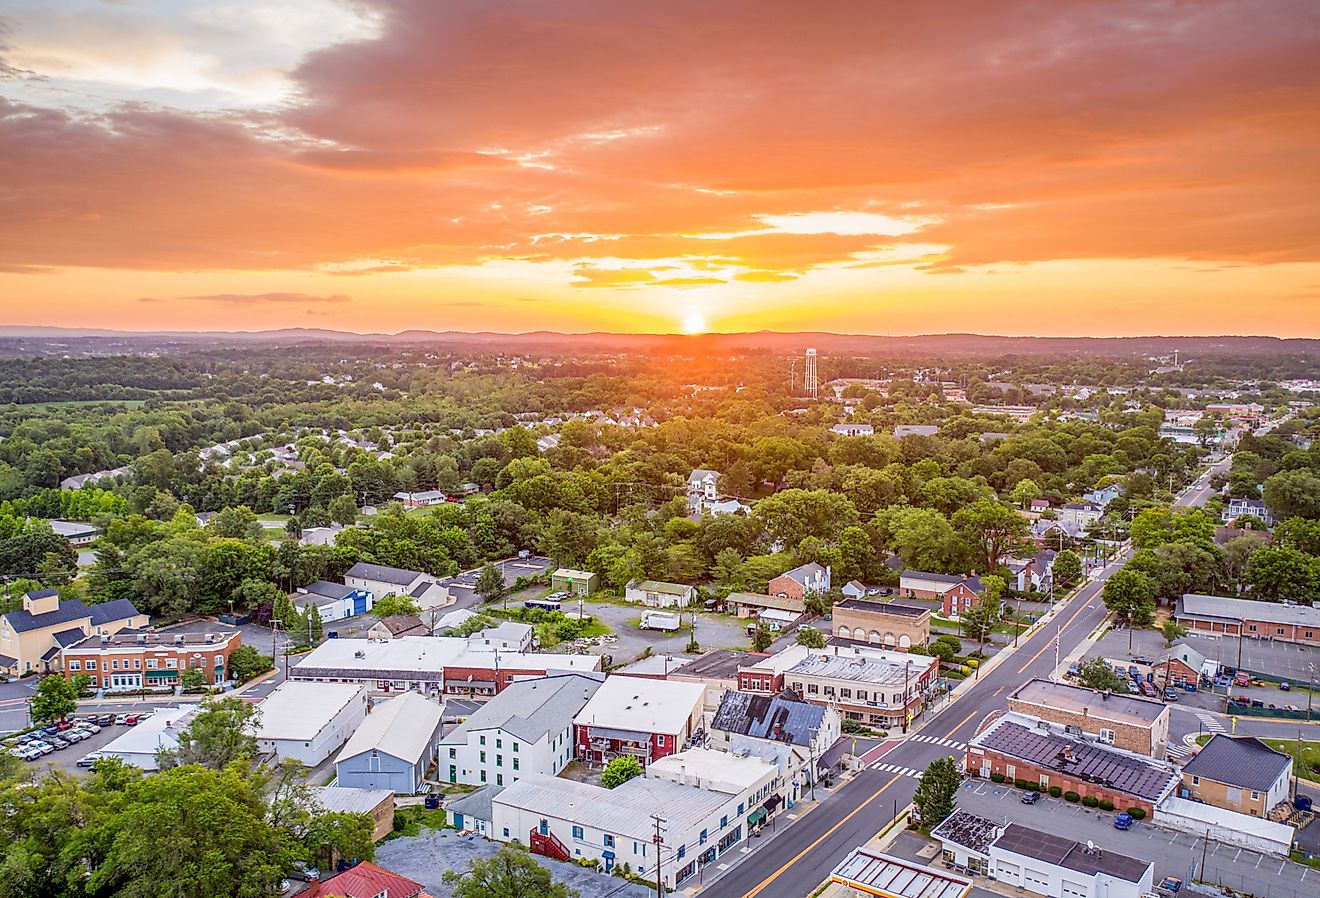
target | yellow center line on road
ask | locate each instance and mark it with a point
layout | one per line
(829, 832)
(949, 734)
(1050, 644)
(997, 691)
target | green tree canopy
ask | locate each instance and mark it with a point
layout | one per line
(54, 699)
(934, 798)
(620, 770)
(509, 873)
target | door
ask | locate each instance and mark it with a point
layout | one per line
(1073, 890)
(458, 821)
(1035, 881)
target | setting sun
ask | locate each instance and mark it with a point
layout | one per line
(694, 323)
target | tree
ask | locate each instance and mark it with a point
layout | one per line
(508, 873)
(312, 624)
(762, 636)
(82, 684)
(236, 523)
(343, 510)
(934, 798)
(1291, 494)
(54, 699)
(946, 647)
(1172, 631)
(620, 770)
(389, 606)
(245, 662)
(994, 530)
(222, 732)
(1067, 570)
(1025, 491)
(727, 570)
(1282, 573)
(490, 583)
(1130, 595)
(192, 680)
(979, 622)
(810, 637)
(293, 528)
(1097, 674)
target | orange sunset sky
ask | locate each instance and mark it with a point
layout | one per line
(875, 167)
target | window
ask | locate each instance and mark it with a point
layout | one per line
(151, 663)
(724, 821)
(702, 838)
(499, 760)
(499, 779)
(75, 665)
(506, 832)
(1255, 795)
(453, 753)
(172, 663)
(1106, 736)
(740, 809)
(861, 694)
(219, 660)
(1196, 781)
(608, 841)
(813, 689)
(829, 690)
(483, 776)
(91, 664)
(483, 740)
(499, 743)
(137, 663)
(1010, 771)
(577, 833)
(1252, 628)
(483, 757)
(115, 664)
(845, 693)
(515, 763)
(1044, 781)
(515, 750)
(1279, 631)
(682, 850)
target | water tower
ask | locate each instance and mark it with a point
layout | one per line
(810, 386)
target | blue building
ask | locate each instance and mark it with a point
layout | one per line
(393, 747)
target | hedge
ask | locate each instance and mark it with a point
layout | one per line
(1136, 813)
(997, 777)
(1056, 791)
(1020, 783)
(1090, 801)
(1071, 796)
(1106, 804)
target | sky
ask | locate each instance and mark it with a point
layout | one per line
(1051, 168)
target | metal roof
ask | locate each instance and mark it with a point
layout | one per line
(66, 638)
(672, 589)
(383, 573)
(339, 799)
(871, 606)
(880, 874)
(529, 709)
(108, 612)
(642, 705)
(1064, 852)
(475, 804)
(721, 663)
(784, 717)
(299, 710)
(1242, 761)
(22, 621)
(401, 727)
(1194, 605)
(619, 811)
(331, 590)
(1116, 707)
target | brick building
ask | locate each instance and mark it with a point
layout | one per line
(142, 660)
(882, 623)
(1239, 773)
(1246, 617)
(1128, 722)
(802, 581)
(648, 719)
(959, 594)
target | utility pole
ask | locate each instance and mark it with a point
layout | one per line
(659, 842)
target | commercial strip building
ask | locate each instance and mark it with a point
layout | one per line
(449, 665)
(1017, 747)
(1128, 722)
(131, 660)
(707, 801)
(308, 722)
(393, 748)
(1245, 617)
(876, 687)
(889, 625)
(810, 733)
(869, 873)
(138, 745)
(716, 670)
(33, 637)
(1039, 862)
(527, 729)
(647, 719)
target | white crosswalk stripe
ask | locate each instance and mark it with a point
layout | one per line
(895, 768)
(1211, 723)
(1179, 753)
(936, 740)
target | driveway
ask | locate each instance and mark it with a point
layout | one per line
(714, 631)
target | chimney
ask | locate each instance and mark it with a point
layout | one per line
(104, 639)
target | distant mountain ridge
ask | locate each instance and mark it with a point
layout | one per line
(762, 341)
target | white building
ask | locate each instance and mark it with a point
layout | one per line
(333, 601)
(658, 594)
(308, 722)
(702, 489)
(853, 430)
(138, 745)
(75, 532)
(383, 580)
(703, 820)
(634, 716)
(510, 636)
(527, 729)
(1081, 514)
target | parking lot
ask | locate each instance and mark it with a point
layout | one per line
(1173, 853)
(714, 631)
(67, 759)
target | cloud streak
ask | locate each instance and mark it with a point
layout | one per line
(254, 299)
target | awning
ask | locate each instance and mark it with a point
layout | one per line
(757, 816)
(833, 755)
(772, 802)
(607, 854)
(162, 674)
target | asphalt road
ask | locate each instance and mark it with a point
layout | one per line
(1200, 490)
(804, 853)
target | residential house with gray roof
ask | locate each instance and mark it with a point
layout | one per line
(1239, 773)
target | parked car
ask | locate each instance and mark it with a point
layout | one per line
(31, 753)
(1170, 694)
(1123, 821)
(59, 743)
(1147, 689)
(106, 720)
(51, 730)
(89, 759)
(1133, 689)
(121, 718)
(1285, 686)
(73, 736)
(1148, 662)
(42, 748)
(1134, 672)
(1074, 669)
(92, 727)
(63, 723)
(1030, 797)
(133, 719)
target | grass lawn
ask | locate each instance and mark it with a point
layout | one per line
(82, 403)
(274, 518)
(410, 821)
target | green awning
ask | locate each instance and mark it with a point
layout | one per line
(757, 816)
(162, 674)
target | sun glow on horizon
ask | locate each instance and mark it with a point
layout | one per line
(694, 322)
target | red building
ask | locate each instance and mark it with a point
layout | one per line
(647, 719)
(130, 660)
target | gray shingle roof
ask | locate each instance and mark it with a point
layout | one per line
(1242, 761)
(333, 590)
(475, 804)
(530, 709)
(108, 612)
(22, 621)
(384, 573)
(785, 716)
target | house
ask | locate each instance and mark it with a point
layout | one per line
(1055, 533)
(808, 730)
(853, 589)
(1129, 722)
(1298, 624)
(76, 533)
(378, 804)
(702, 489)
(423, 499)
(958, 594)
(711, 802)
(397, 625)
(1082, 515)
(1016, 747)
(140, 745)
(509, 636)
(1040, 505)
(1237, 508)
(575, 583)
(382, 580)
(307, 722)
(447, 623)
(1031, 860)
(366, 880)
(334, 601)
(647, 719)
(728, 506)
(1239, 773)
(883, 688)
(525, 730)
(393, 747)
(1102, 496)
(130, 660)
(801, 582)
(915, 430)
(888, 624)
(32, 638)
(853, 430)
(867, 872)
(458, 666)
(1181, 665)
(992, 436)
(658, 594)
(717, 671)
(780, 612)
(472, 812)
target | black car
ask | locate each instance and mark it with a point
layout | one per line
(1030, 797)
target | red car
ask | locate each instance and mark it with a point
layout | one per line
(64, 724)
(131, 720)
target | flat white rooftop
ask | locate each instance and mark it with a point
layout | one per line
(299, 710)
(642, 705)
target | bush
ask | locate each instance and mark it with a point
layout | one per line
(1071, 796)
(996, 777)
(1137, 813)
(1090, 801)
(1106, 804)
(1056, 791)
(1020, 783)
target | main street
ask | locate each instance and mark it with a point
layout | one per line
(802, 855)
